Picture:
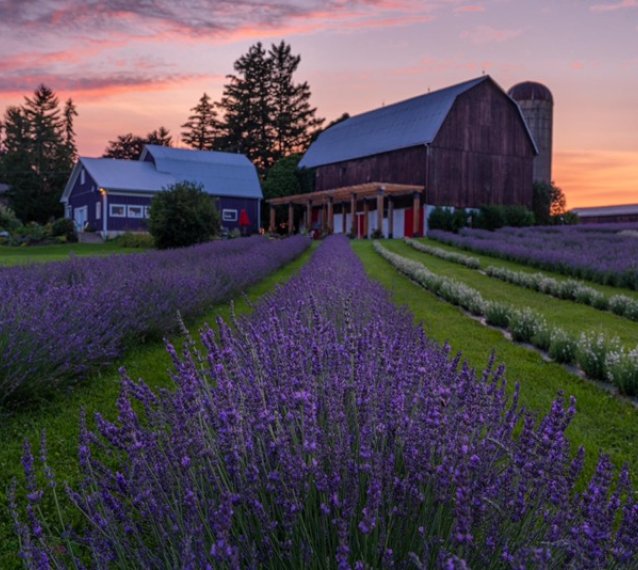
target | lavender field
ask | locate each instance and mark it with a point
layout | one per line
(605, 253)
(326, 431)
(60, 320)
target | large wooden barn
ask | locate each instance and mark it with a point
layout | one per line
(463, 146)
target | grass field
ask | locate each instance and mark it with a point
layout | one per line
(43, 253)
(572, 317)
(603, 422)
(60, 414)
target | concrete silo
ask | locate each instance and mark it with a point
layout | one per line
(537, 104)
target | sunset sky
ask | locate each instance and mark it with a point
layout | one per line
(133, 66)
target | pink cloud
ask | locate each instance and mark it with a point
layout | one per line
(613, 6)
(469, 8)
(482, 35)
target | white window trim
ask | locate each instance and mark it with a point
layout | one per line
(230, 215)
(129, 210)
(98, 210)
(147, 212)
(114, 215)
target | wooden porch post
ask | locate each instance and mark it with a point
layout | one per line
(323, 217)
(309, 215)
(365, 217)
(271, 225)
(380, 210)
(331, 219)
(416, 206)
(390, 217)
(290, 218)
(353, 215)
(343, 217)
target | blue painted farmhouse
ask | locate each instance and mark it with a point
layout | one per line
(113, 196)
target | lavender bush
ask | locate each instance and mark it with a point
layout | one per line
(59, 319)
(468, 261)
(599, 253)
(326, 431)
(588, 351)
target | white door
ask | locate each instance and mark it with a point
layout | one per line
(80, 217)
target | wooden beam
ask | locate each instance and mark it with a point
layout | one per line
(309, 215)
(353, 214)
(291, 219)
(416, 206)
(365, 218)
(380, 210)
(331, 217)
(390, 217)
(343, 217)
(271, 225)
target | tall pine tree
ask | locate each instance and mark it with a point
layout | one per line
(266, 114)
(294, 120)
(201, 130)
(38, 154)
(247, 124)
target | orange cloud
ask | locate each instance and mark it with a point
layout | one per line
(597, 178)
(469, 8)
(613, 6)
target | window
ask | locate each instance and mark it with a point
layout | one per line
(117, 210)
(98, 210)
(229, 215)
(136, 211)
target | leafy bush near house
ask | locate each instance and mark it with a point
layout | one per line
(447, 219)
(64, 227)
(183, 215)
(135, 240)
(8, 220)
(495, 217)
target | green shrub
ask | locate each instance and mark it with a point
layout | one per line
(181, 215)
(542, 338)
(8, 220)
(518, 216)
(562, 347)
(497, 314)
(591, 354)
(524, 324)
(622, 370)
(495, 217)
(64, 227)
(134, 240)
(440, 219)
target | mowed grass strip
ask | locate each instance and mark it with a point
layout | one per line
(572, 317)
(603, 422)
(44, 253)
(487, 260)
(59, 416)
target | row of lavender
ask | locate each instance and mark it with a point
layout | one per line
(569, 289)
(598, 355)
(59, 320)
(326, 431)
(598, 254)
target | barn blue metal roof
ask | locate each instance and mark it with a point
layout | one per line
(404, 124)
(126, 175)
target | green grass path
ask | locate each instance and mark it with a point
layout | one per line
(60, 414)
(572, 317)
(603, 422)
(45, 253)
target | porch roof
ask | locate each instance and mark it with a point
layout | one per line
(345, 193)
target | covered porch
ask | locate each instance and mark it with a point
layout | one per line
(361, 210)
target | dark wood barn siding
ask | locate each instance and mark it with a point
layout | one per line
(406, 166)
(609, 219)
(482, 154)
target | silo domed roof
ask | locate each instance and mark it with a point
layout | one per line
(530, 90)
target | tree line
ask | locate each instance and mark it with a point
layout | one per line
(263, 113)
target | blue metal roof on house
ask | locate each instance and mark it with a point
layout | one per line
(405, 124)
(220, 173)
(126, 175)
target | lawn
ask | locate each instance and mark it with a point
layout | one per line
(572, 317)
(603, 422)
(60, 415)
(43, 253)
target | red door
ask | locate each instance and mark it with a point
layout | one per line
(408, 228)
(360, 228)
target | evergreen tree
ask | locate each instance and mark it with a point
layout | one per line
(294, 119)
(130, 146)
(246, 103)
(38, 155)
(201, 130)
